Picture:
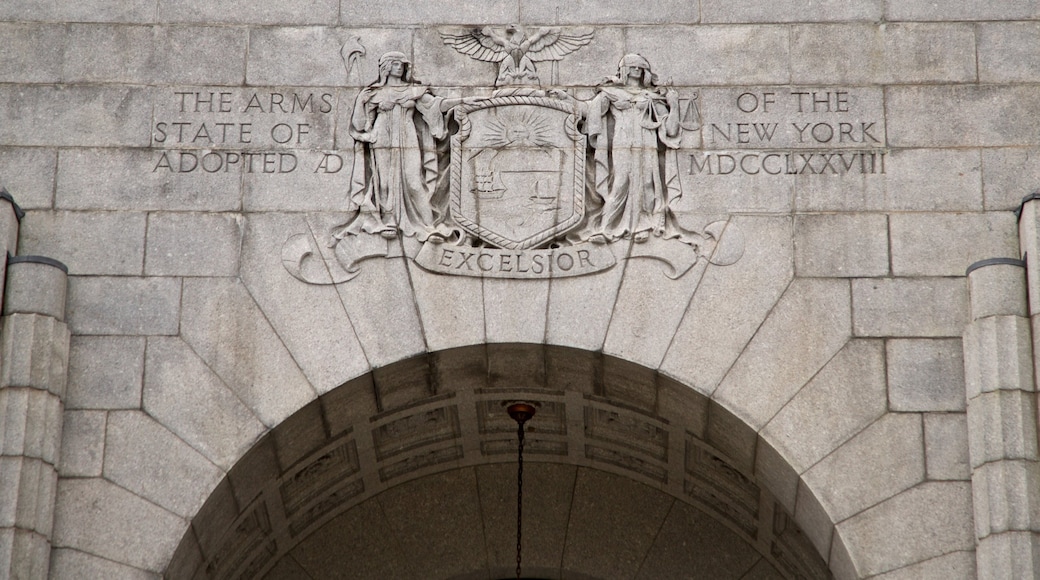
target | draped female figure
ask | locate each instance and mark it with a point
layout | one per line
(633, 128)
(395, 124)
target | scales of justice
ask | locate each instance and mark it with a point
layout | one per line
(525, 183)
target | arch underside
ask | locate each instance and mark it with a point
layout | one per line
(409, 471)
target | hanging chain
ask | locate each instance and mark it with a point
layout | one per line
(520, 412)
(519, 492)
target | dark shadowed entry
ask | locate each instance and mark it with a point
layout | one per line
(408, 473)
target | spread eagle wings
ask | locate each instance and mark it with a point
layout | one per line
(476, 44)
(547, 44)
(554, 44)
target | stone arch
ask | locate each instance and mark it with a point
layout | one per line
(770, 351)
(408, 472)
(836, 338)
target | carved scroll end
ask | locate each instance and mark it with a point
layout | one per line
(729, 244)
(303, 258)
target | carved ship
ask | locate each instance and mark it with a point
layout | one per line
(488, 186)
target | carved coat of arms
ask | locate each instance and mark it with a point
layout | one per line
(526, 183)
(518, 168)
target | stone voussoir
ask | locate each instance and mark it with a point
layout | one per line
(755, 264)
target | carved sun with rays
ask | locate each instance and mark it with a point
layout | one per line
(526, 128)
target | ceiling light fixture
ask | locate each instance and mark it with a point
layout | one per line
(521, 412)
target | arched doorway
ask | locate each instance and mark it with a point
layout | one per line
(407, 472)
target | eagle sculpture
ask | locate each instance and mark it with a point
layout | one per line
(515, 52)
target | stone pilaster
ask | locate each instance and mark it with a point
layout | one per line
(10, 216)
(34, 349)
(1002, 421)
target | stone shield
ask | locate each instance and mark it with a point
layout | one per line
(517, 171)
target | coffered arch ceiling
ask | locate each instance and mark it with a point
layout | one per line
(409, 472)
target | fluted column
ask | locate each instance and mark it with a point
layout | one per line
(10, 216)
(1002, 421)
(34, 346)
(1000, 377)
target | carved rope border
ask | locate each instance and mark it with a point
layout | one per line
(465, 126)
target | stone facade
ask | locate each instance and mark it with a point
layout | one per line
(767, 268)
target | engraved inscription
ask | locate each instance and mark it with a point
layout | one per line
(787, 163)
(793, 118)
(207, 131)
(561, 262)
(539, 184)
(772, 131)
